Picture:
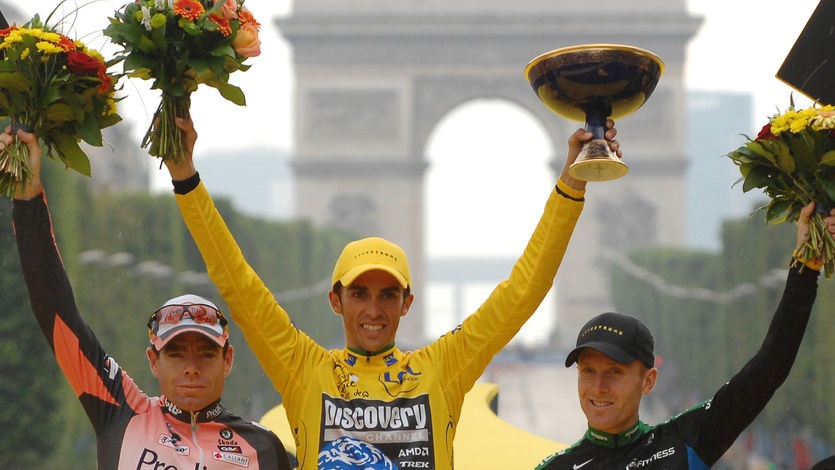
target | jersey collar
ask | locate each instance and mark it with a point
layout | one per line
(628, 436)
(209, 413)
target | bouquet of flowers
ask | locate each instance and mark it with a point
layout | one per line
(793, 160)
(180, 44)
(57, 88)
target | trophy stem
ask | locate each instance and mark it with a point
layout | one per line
(596, 116)
(596, 161)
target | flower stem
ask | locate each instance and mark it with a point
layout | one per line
(14, 167)
(163, 135)
(820, 245)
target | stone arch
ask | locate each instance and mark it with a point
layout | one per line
(374, 78)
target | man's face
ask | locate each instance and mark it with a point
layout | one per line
(191, 370)
(610, 392)
(371, 308)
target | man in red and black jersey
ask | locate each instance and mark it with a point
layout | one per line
(616, 368)
(186, 428)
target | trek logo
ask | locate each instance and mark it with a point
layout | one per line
(402, 376)
(404, 382)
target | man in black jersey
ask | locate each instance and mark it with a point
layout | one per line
(616, 368)
(187, 427)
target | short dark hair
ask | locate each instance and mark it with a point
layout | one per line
(337, 288)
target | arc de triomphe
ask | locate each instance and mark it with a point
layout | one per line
(374, 77)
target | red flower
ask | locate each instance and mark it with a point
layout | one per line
(5, 32)
(82, 64)
(106, 83)
(765, 133)
(222, 24)
(189, 9)
(66, 44)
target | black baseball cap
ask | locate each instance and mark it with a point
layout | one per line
(621, 337)
(825, 464)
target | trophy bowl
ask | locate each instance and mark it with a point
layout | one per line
(592, 83)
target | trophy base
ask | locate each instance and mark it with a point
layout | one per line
(597, 162)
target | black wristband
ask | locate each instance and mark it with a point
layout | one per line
(563, 194)
(187, 185)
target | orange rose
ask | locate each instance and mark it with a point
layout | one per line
(229, 10)
(246, 42)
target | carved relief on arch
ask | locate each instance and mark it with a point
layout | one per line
(351, 116)
(354, 212)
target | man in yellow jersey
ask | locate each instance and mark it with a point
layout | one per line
(372, 405)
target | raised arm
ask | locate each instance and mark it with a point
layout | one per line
(89, 370)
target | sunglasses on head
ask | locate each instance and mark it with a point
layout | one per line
(173, 314)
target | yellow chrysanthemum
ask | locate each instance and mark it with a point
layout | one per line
(14, 37)
(795, 121)
(48, 48)
(48, 36)
(94, 54)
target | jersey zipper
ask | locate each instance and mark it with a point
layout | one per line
(194, 428)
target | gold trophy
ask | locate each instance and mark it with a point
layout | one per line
(592, 83)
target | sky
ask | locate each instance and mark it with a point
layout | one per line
(739, 47)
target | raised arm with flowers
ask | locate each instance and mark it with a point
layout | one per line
(793, 160)
(181, 44)
(57, 88)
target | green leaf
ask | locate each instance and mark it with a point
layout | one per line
(89, 130)
(138, 61)
(189, 27)
(802, 146)
(758, 148)
(828, 187)
(230, 92)
(146, 44)
(14, 82)
(777, 208)
(782, 152)
(71, 153)
(223, 50)
(199, 64)
(757, 177)
(49, 96)
(828, 158)
(109, 120)
(59, 112)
